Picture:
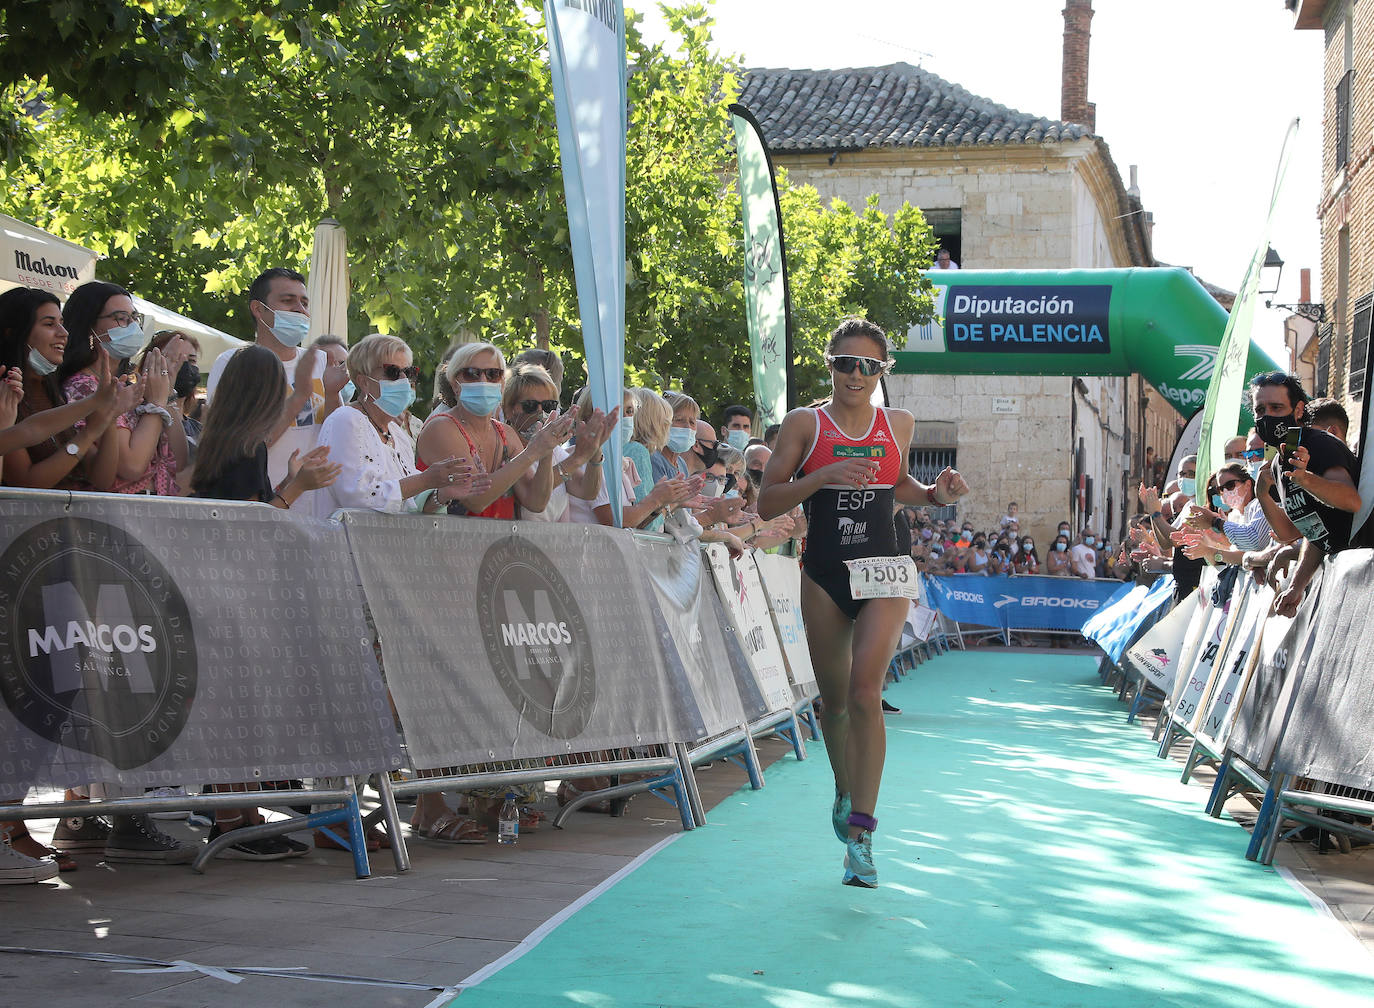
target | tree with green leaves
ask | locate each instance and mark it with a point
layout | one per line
(196, 145)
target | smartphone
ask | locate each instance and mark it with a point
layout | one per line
(1291, 440)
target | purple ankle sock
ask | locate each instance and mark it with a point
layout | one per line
(864, 822)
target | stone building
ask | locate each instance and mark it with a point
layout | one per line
(1001, 189)
(1345, 205)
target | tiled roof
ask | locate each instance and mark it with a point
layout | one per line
(890, 106)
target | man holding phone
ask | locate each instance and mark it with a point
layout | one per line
(1308, 490)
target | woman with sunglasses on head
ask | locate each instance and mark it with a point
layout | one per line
(521, 474)
(845, 462)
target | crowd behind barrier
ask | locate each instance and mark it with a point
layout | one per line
(150, 641)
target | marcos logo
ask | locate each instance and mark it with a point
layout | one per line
(96, 647)
(536, 638)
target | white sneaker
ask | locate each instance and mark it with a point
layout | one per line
(18, 869)
(168, 792)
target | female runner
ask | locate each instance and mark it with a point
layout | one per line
(846, 463)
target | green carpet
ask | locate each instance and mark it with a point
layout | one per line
(1031, 851)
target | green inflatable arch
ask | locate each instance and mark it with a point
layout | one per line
(1158, 322)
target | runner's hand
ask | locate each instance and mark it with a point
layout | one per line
(856, 473)
(950, 486)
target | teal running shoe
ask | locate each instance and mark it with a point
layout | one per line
(858, 862)
(839, 817)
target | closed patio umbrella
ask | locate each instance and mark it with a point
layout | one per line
(327, 285)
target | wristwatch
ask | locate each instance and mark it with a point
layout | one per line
(72, 449)
(1218, 559)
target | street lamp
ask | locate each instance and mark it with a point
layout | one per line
(1313, 311)
(1270, 272)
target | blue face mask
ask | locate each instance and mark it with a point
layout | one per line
(290, 328)
(1254, 468)
(627, 429)
(39, 364)
(1060, 547)
(680, 439)
(737, 439)
(1089, 540)
(1187, 485)
(396, 396)
(347, 392)
(479, 397)
(124, 341)
(1216, 502)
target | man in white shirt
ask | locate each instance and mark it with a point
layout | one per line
(1083, 557)
(280, 308)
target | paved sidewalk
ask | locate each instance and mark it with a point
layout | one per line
(458, 909)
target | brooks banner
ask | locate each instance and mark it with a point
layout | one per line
(1025, 602)
(587, 60)
(765, 271)
(148, 641)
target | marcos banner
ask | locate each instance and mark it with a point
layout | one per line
(765, 271)
(1022, 602)
(148, 641)
(492, 648)
(587, 61)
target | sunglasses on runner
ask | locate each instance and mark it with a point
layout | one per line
(868, 366)
(535, 405)
(393, 372)
(491, 374)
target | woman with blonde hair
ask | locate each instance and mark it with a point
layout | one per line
(521, 475)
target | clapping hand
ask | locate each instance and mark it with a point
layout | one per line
(452, 477)
(313, 470)
(11, 394)
(550, 434)
(303, 379)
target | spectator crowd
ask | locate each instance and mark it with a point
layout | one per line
(88, 404)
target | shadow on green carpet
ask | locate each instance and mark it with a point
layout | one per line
(1031, 849)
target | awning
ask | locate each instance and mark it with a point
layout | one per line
(212, 341)
(30, 257)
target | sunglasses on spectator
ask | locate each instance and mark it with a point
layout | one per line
(707, 445)
(1189, 475)
(491, 374)
(868, 366)
(1231, 483)
(535, 405)
(392, 372)
(1253, 453)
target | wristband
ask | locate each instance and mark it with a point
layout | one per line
(1157, 514)
(276, 495)
(930, 496)
(146, 408)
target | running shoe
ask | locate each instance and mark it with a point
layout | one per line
(839, 817)
(858, 862)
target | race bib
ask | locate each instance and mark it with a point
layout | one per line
(882, 577)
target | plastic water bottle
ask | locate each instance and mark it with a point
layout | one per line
(508, 824)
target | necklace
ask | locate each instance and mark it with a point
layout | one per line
(382, 432)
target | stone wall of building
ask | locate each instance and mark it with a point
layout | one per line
(1020, 207)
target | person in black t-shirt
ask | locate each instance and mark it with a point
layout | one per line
(1308, 491)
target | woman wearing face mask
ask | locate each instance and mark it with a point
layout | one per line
(1057, 563)
(1027, 561)
(528, 398)
(33, 340)
(649, 427)
(375, 453)
(184, 385)
(521, 475)
(149, 442)
(675, 458)
(1238, 525)
(977, 553)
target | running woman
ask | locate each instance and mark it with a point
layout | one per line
(845, 463)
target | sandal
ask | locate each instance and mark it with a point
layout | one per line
(451, 828)
(25, 844)
(569, 792)
(326, 841)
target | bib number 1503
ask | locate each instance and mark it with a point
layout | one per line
(882, 577)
